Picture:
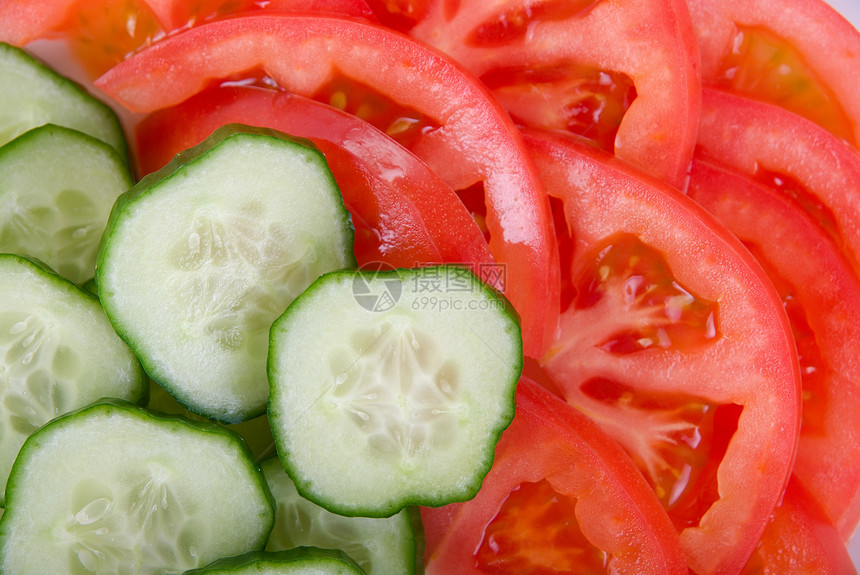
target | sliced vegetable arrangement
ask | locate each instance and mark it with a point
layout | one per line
(535, 286)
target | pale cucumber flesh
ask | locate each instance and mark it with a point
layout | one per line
(200, 258)
(57, 187)
(58, 353)
(112, 489)
(374, 408)
(32, 94)
(381, 546)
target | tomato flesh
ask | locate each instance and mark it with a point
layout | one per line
(697, 412)
(628, 278)
(561, 497)
(793, 54)
(789, 153)
(105, 33)
(799, 539)
(581, 99)
(629, 301)
(508, 547)
(400, 122)
(568, 65)
(766, 66)
(822, 302)
(513, 23)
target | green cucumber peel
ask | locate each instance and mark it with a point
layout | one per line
(296, 561)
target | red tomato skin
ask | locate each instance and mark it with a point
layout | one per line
(754, 364)
(476, 141)
(754, 137)
(828, 291)
(650, 41)
(417, 218)
(550, 440)
(800, 540)
(827, 42)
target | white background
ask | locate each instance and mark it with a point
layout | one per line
(851, 10)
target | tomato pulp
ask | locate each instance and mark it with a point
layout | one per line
(676, 343)
(562, 497)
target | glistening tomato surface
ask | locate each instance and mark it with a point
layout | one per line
(462, 132)
(676, 343)
(404, 214)
(822, 298)
(793, 53)
(562, 497)
(624, 74)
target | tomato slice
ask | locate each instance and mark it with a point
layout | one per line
(624, 74)
(468, 139)
(404, 214)
(799, 539)
(538, 511)
(822, 298)
(676, 343)
(787, 152)
(793, 53)
(102, 34)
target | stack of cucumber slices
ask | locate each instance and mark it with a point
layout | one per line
(194, 375)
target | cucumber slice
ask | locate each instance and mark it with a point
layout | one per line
(58, 353)
(113, 489)
(32, 95)
(199, 258)
(381, 546)
(383, 396)
(298, 561)
(57, 187)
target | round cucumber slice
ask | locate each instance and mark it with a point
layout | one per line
(58, 353)
(31, 94)
(385, 394)
(113, 489)
(381, 546)
(57, 187)
(199, 258)
(298, 561)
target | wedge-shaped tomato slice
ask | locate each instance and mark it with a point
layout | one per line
(677, 345)
(624, 74)
(561, 497)
(103, 33)
(822, 298)
(448, 120)
(787, 152)
(798, 54)
(404, 214)
(800, 539)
